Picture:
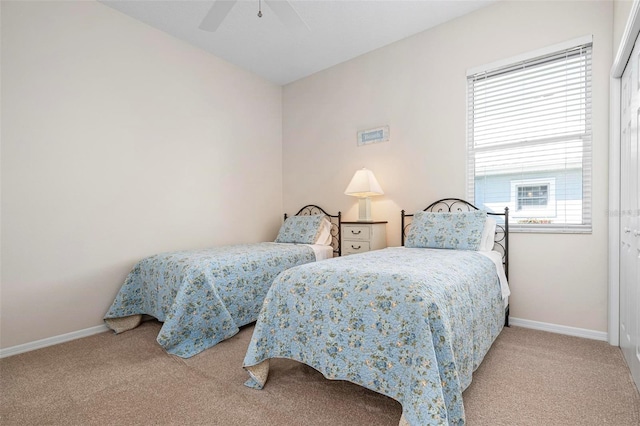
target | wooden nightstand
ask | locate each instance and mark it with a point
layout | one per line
(359, 237)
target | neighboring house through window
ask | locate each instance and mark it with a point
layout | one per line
(529, 138)
(532, 197)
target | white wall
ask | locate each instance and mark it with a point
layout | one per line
(418, 87)
(621, 10)
(119, 141)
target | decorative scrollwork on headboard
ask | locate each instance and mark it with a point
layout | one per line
(501, 238)
(336, 220)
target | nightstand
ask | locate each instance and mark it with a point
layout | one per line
(359, 237)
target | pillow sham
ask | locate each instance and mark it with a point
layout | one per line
(488, 235)
(458, 231)
(300, 229)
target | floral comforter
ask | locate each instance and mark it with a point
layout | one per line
(203, 296)
(410, 323)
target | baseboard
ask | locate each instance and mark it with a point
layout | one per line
(536, 325)
(560, 329)
(50, 341)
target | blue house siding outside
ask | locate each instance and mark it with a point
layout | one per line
(562, 203)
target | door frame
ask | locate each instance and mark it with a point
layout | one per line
(622, 57)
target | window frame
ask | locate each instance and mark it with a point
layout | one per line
(534, 212)
(585, 142)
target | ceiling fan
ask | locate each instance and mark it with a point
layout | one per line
(281, 8)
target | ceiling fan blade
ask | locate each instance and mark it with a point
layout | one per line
(216, 14)
(287, 14)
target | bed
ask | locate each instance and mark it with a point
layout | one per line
(203, 296)
(411, 322)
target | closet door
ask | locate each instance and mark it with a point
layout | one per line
(630, 215)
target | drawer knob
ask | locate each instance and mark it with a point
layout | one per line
(355, 248)
(355, 233)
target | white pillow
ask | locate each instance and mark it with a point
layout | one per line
(488, 235)
(324, 237)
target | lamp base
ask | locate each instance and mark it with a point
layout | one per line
(364, 210)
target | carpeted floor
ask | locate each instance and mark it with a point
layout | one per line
(528, 378)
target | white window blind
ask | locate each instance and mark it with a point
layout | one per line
(529, 141)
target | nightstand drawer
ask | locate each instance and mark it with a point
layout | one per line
(352, 247)
(355, 232)
(359, 237)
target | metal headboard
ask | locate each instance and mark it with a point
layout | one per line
(501, 238)
(335, 219)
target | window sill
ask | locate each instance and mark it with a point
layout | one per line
(542, 229)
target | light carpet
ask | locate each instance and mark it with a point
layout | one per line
(528, 378)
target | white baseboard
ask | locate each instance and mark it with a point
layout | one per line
(50, 341)
(560, 329)
(553, 328)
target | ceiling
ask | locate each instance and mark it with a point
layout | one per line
(335, 31)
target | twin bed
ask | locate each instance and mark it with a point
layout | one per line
(204, 296)
(410, 322)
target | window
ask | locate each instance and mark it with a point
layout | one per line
(529, 139)
(532, 197)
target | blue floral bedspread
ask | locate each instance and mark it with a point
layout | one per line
(410, 323)
(203, 296)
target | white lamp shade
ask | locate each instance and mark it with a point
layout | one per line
(364, 184)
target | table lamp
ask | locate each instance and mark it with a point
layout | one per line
(364, 185)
